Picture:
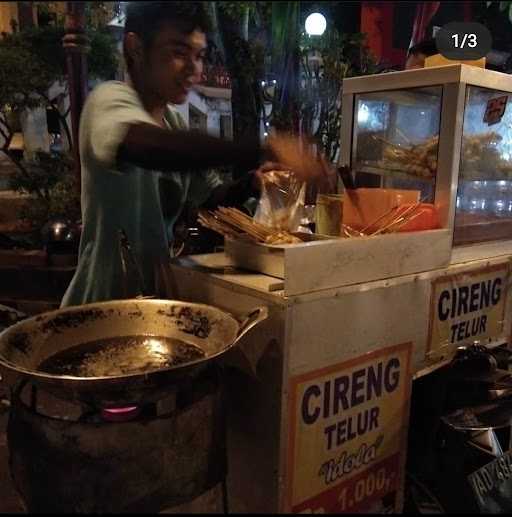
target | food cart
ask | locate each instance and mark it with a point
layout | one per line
(320, 393)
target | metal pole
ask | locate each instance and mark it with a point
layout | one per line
(75, 43)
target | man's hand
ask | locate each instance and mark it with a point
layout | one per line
(328, 181)
(267, 167)
(298, 156)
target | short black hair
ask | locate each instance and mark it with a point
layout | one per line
(427, 47)
(146, 18)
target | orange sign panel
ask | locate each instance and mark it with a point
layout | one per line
(347, 434)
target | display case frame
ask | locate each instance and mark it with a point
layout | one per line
(454, 80)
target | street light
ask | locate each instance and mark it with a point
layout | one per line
(316, 24)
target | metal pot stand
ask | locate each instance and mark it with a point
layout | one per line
(170, 453)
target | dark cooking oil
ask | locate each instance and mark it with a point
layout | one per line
(121, 356)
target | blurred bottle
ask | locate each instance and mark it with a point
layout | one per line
(308, 223)
(329, 214)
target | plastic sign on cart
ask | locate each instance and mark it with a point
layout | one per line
(467, 307)
(347, 434)
(495, 110)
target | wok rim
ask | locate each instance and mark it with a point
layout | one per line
(131, 376)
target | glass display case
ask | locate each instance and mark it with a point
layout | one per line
(396, 139)
(445, 132)
(484, 195)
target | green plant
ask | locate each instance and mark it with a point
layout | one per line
(326, 61)
(238, 33)
(50, 181)
(32, 60)
(285, 65)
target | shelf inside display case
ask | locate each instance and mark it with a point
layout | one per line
(474, 229)
(395, 172)
(373, 176)
(394, 178)
(483, 212)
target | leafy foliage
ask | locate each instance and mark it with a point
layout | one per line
(335, 57)
(44, 57)
(102, 59)
(31, 61)
(285, 64)
(262, 39)
(51, 180)
(235, 9)
(237, 34)
(23, 77)
(97, 14)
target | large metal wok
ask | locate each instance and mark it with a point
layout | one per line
(27, 345)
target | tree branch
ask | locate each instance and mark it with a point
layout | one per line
(5, 124)
(20, 167)
(7, 143)
(5, 135)
(61, 117)
(64, 123)
(5, 149)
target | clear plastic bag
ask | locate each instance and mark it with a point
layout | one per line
(281, 204)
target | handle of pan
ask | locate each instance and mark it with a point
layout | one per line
(254, 317)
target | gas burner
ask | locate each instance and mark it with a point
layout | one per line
(120, 414)
(67, 457)
(46, 404)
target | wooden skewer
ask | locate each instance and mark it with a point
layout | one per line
(351, 232)
(407, 220)
(243, 222)
(211, 223)
(233, 223)
(390, 212)
(383, 216)
(402, 218)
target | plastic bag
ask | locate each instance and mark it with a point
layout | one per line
(281, 204)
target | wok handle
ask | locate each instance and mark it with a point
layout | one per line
(253, 318)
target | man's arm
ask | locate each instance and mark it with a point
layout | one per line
(116, 128)
(152, 147)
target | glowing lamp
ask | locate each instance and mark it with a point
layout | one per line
(316, 24)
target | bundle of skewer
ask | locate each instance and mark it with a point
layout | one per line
(389, 222)
(233, 223)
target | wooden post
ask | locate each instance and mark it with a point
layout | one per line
(75, 43)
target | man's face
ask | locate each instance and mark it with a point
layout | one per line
(174, 63)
